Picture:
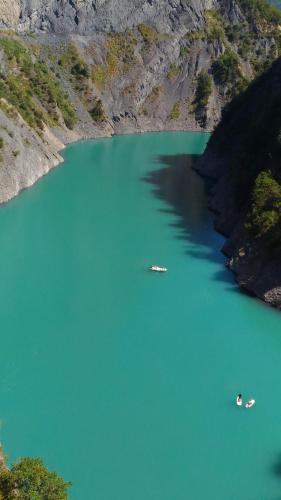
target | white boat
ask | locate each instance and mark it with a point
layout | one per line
(239, 400)
(250, 403)
(158, 269)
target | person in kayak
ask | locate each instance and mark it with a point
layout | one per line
(239, 400)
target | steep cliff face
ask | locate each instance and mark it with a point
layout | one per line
(86, 16)
(10, 13)
(244, 159)
(80, 69)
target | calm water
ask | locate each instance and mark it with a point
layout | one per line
(120, 379)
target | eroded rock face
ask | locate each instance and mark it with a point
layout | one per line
(87, 16)
(26, 156)
(10, 13)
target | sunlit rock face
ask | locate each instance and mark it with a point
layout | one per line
(86, 16)
(10, 13)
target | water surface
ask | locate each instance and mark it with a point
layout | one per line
(122, 380)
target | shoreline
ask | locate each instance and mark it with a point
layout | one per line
(56, 159)
(49, 164)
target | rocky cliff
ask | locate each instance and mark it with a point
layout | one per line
(88, 16)
(75, 69)
(243, 158)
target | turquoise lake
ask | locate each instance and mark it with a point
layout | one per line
(121, 379)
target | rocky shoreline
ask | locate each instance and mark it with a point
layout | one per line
(24, 166)
(256, 271)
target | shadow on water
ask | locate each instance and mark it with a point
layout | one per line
(179, 186)
(276, 470)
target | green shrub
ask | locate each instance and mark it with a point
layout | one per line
(80, 69)
(71, 58)
(191, 36)
(98, 75)
(149, 35)
(47, 88)
(174, 71)
(226, 68)
(155, 93)
(17, 54)
(97, 111)
(264, 216)
(215, 27)
(120, 52)
(17, 94)
(175, 113)
(227, 72)
(204, 89)
(260, 10)
(75, 68)
(1, 143)
(233, 32)
(6, 107)
(184, 51)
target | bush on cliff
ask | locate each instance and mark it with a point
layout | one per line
(226, 68)
(264, 216)
(260, 10)
(97, 111)
(203, 90)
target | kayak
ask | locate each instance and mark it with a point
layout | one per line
(239, 401)
(250, 403)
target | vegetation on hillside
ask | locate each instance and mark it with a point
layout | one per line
(31, 88)
(227, 72)
(149, 35)
(97, 111)
(119, 58)
(260, 11)
(74, 68)
(29, 479)
(175, 112)
(33, 85)
(203, 89)
(264, 216)
(120, 53)
(174, 71)
(99, 75)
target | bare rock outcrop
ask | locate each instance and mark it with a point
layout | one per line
(88, 16)
(10, 13)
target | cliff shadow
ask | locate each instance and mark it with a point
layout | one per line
(185, 193)
(276, 470)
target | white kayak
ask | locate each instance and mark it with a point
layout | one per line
(158, 269)
(239, 401)
(250, 403)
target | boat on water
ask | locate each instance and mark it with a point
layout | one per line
(250, 403)
(239, 400)
(158, 269)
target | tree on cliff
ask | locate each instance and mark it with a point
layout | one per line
(30, 479)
